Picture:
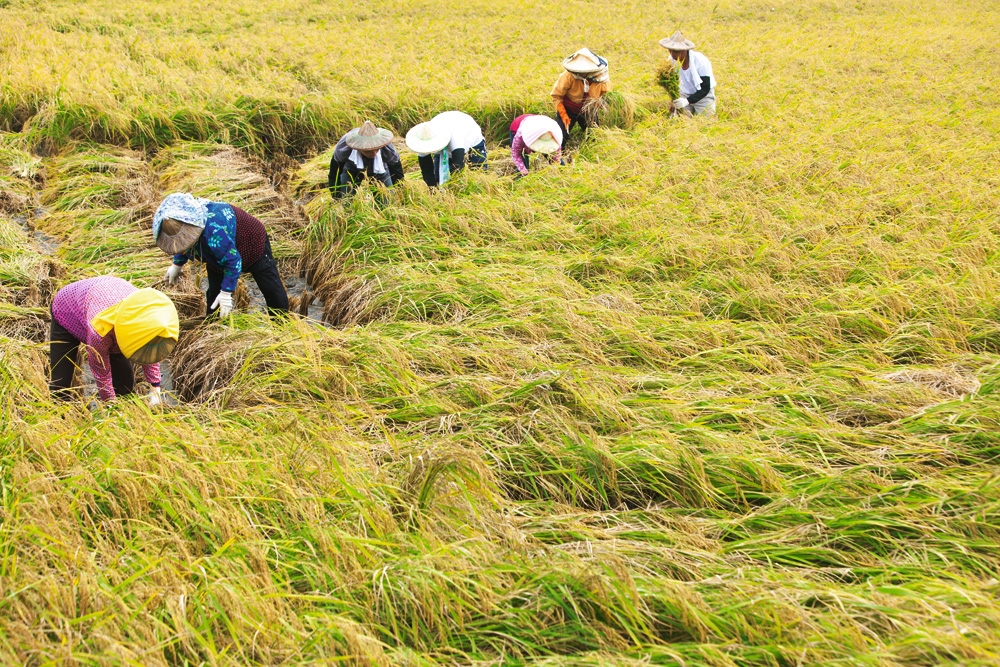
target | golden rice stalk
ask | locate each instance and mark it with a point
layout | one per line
(611, 110)
(668, 78)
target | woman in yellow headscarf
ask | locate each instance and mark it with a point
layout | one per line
(119, 325)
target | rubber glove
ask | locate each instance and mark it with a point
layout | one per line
(224, 302)
(680, 103)
(561, 108)
(174, 273)
(154, 397)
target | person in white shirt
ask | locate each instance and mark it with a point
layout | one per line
(445, 144)
(697, 83)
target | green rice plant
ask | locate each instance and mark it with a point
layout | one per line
(714, 393)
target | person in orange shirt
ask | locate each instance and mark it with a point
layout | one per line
(586, 77)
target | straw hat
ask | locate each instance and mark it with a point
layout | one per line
(427, 138)
(545, 144)
(585, 61)
(368, 137)
(176, 237)
(677, 42)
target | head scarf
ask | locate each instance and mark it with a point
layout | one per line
(533, 127)
(137, 319)
(183, 207)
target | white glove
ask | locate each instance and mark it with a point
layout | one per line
(680, 103)
(174, 273)
(154, 397)
(224, 302)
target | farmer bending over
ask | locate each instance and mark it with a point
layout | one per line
(119, 325)
(586, 78)
(534, 134)
(227, 239)
(695, 76)
(445, 143)
(364, 152)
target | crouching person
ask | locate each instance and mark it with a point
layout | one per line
(534, 134)
(697, 83)
(364, 152)
(227, 239)
(120, 325)
(445, 144)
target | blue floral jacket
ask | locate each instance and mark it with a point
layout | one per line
(217, 245)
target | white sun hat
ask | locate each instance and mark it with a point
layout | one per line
(427, 138)
(677, 42)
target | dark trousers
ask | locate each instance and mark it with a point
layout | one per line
(265, 274)
(524, 156)
(430, 167)
(576, 119)
(64, 349)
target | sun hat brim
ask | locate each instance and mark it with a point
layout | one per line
(440, 138)
(544, 144)
(181, 241)
(362, 143)
(674, 45)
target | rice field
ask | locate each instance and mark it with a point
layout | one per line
(719, 392)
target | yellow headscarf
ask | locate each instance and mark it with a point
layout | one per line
(139, 318)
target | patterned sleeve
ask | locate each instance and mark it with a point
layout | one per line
(220, 234)
(180, 259)
(516, 149)
(99, 358)
(152, 374)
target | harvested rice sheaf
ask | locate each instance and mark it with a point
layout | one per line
(667, 77)
(612, 110)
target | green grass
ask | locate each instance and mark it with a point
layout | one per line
(719, 392)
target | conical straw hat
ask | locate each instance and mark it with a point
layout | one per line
(368, 137)
(427, 138)
(677, 42)
(585, 61)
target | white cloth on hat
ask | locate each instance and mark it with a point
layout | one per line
(465, 131)
(358, 160)
(534, 127)
(690, 78)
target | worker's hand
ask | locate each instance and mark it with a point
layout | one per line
(224, 302)
(680, 103)
(174, 273)
(154, 398)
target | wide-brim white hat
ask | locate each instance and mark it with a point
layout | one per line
(545, 144)
(427, 138)
(677, 42)
(585, 61)
(368, 137)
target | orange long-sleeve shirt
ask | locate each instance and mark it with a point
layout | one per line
(569, 89)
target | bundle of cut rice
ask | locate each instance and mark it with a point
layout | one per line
(668, 77)
(611, 110)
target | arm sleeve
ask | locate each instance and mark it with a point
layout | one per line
(333, 180)
(516, 149)
(393, 163)
(222, 243)
(180, 259)
(559, 90)
(152, 374)
(704, 89)
(557, 156)
(99, 358)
